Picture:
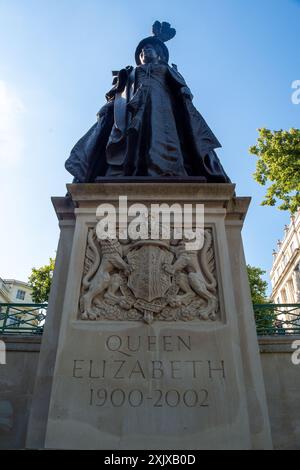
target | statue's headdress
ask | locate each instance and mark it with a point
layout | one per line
(162, 32)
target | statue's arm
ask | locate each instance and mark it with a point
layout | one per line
(183, 88)
(119, 83)
(186, 92)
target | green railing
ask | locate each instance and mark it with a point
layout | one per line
(271, 319)
(22, 318)
(277, 319)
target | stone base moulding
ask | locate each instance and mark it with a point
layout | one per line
(156, 347)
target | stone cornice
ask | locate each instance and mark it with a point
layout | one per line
(162, 191)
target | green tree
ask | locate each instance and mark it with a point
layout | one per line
(258, 286)
(278, 164)
(40, 282)
(265, 317)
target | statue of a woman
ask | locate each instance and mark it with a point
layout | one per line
(149, 125)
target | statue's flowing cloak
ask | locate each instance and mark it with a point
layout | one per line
(109, 142)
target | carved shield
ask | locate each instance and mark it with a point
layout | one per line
(148, 279)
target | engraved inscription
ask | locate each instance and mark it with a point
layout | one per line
(122, 375)
(135, 398)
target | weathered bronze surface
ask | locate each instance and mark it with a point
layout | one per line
(149, 125)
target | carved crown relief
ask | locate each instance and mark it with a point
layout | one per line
(148, 280)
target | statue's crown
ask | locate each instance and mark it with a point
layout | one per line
(161, 32)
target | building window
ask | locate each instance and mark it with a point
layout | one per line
(284, 296)
(292, 247)
(21, 294)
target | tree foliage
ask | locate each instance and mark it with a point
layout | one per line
(258, 286)
(265, 318)
(278, 164)
(40, 282)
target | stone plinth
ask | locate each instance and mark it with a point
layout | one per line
(157, 346)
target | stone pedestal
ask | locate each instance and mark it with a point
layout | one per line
(36, 430)
(157, 347)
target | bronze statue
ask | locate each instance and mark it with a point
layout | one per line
(149, 125)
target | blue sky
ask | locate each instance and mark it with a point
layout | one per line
(238, 57)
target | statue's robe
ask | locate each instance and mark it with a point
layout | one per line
(112, 141)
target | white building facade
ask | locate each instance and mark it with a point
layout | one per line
(19, 291)
(13, 291)
(285, 272)
(4, 292)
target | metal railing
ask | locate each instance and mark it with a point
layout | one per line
(271, 319)
(22, 318)
(277, 319)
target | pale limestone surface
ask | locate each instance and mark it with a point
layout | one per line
(281, 377)
(40, 405)
(166, 394)
(282, 382)
(16, 388)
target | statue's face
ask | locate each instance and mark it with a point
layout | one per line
(149, 54)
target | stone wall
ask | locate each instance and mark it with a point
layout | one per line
(17, 379)
(282, 382)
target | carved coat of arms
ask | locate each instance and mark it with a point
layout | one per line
(146, 262)
(148, 280)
